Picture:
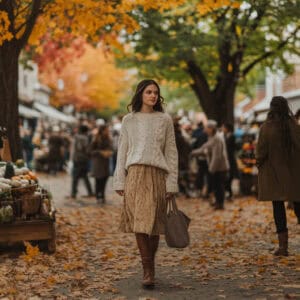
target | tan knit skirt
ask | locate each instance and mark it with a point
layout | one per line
(145, 206)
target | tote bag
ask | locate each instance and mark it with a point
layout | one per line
(177, 224)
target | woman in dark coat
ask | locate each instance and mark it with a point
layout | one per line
(101, 150)
(278, 160)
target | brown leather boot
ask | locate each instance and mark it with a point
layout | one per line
(143, 243)
(283, 244)
(154, 242)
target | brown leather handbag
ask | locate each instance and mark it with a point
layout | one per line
(177, 224)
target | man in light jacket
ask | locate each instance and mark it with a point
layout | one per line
(215, 151)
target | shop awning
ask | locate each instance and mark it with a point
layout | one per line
(53, 113)
(27, 112)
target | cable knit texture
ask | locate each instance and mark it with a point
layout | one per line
(147, 139)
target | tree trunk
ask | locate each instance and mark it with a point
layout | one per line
(224, 101)
(220, 106)
(9, 115)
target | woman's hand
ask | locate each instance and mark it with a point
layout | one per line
(169, 195)
(120, 192)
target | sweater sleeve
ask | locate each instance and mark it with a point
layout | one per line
(204, 150)
(171, 156)
(120, 171)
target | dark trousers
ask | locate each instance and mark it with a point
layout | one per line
(80, 170)
(100, 187)
(218, 186)
(280, 215)
(228, 184)
(202, 174)
(53, 167)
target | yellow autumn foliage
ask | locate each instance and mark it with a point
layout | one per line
(87, 18)
(5, 35)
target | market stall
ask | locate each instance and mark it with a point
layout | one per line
(247, 166)
(26, 209)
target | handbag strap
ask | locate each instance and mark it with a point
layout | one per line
(172, 206)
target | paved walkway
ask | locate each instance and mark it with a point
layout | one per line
(230, 256)
(60, 187)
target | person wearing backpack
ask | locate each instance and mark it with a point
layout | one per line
(80, 156)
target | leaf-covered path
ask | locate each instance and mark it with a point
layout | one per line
(230, 256)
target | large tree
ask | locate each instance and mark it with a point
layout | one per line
(23, 21)
(213, 50)
(29, 20)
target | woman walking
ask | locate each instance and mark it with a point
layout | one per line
(278, 160)
(101, 151)
(146, 172)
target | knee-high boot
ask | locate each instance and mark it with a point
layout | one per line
(143, 243)
(154, 242)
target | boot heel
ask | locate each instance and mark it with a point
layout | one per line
(148, 280)
(283, 244)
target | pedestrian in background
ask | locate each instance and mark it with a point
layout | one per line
(27, 147)
(147, 171)
(55, 145)
(231, 149)
(278, 161)
(200, 138)
(101, 151)
(115, 141)
(215, 151)
(184, 150)
(80, 157)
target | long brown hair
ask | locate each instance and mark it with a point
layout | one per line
(101, 136)
(137, 100)
(280, 111)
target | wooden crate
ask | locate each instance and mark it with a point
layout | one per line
(33, 230)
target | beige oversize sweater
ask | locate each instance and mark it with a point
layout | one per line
(147, 139)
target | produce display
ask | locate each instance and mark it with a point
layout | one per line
(247, 157)
(21, 197)
(247, 166)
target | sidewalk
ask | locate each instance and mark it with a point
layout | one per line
(60, 187)
(230, 256)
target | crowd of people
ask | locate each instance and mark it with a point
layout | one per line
(88, 149)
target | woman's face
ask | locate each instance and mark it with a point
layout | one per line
(150, 95)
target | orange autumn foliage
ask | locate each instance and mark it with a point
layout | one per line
(91, 81)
